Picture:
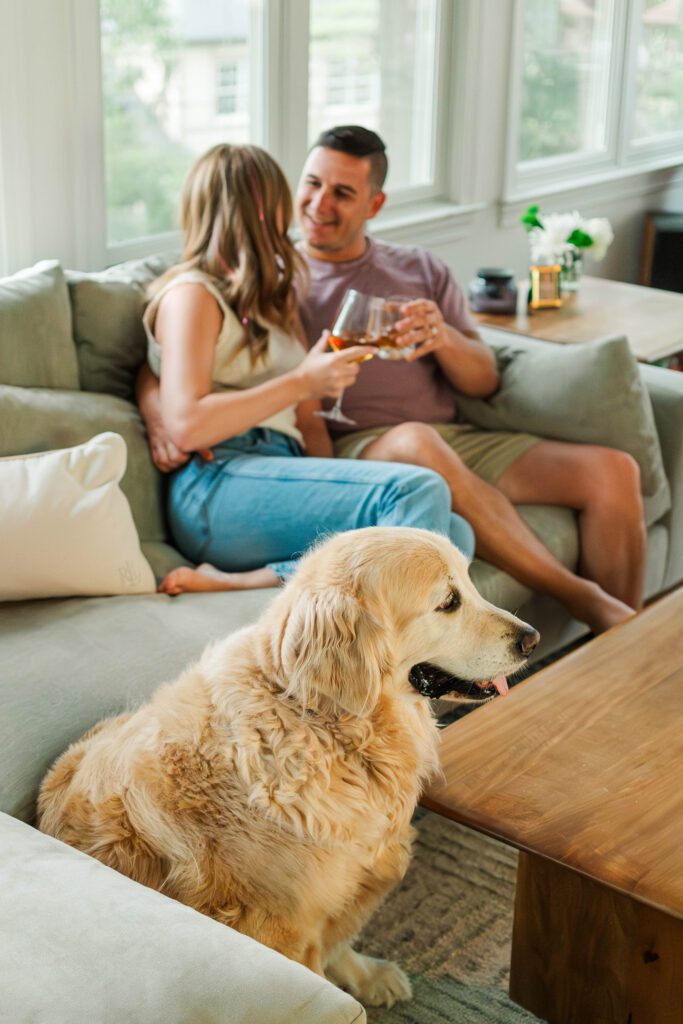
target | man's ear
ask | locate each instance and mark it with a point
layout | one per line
(334, 647)
(376, 204)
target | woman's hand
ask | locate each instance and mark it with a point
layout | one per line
(424, 326)
(326, 374)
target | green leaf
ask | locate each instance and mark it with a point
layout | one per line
(580, 239)
(530, 217)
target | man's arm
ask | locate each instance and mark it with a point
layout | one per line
(465, 359)
(317, 440)
(467, 362)
(165, 455)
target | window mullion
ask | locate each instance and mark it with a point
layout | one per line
(619, 99)
(90, 218)
(286, 92)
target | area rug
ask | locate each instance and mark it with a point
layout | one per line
(449, 925)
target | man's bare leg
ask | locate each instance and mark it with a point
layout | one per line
(207, 578)
(603, 485)
(502, 536)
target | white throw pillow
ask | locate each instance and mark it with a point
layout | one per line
(66, 528)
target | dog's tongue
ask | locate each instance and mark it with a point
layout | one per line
(501, 684)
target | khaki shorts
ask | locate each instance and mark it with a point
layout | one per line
(488, 453)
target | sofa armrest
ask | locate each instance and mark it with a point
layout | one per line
(81, 942)
(665, 388)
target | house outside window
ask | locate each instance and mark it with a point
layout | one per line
(175, 81)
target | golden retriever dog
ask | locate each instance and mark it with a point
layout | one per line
(272, 785)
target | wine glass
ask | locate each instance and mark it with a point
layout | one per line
(350, 328)
(384, 315)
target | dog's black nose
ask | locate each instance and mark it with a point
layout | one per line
(527, 640)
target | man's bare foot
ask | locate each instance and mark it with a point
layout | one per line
(207, 578)
(600, 610)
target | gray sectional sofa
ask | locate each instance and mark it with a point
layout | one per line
(80, 942)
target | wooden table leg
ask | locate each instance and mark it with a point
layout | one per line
(586, 954)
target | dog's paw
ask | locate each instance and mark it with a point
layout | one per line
(373, 981)
(384, 984)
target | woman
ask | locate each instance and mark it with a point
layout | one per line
(235, 378)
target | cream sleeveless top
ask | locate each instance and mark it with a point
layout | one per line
(235, 372)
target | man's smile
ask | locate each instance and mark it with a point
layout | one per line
(320, 223)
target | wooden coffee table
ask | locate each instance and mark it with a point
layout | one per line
(581, 768)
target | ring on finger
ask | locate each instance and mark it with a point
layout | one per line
(433, 330)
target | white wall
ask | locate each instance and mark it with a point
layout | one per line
(492, 243)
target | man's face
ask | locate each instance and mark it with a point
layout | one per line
(333, 201)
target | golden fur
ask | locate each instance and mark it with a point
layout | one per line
(272, 785)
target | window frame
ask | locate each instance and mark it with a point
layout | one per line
(279, 77)
(663, 147)
(622, 153)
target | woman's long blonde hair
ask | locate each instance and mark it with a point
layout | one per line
(236, 208)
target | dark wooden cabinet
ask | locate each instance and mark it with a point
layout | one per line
(662, 265)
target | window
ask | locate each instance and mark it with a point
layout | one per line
(226, 88)
(597, 90)
(375, 63)
(659, 89)
(175, 76)
(180, 76)
(567, 53)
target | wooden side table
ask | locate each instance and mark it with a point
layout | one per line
(651, 319)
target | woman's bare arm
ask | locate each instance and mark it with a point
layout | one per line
(188, 323)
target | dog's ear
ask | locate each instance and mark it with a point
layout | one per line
(333, 646)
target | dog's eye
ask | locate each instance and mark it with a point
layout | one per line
(451, 603)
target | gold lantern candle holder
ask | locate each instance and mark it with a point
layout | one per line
(545, 286)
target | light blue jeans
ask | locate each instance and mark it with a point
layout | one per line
(262, 502)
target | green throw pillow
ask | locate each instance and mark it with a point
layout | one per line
(38, 420)
(36, 347)
(107, 315)
(592, 394)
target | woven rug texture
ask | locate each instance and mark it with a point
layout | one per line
(449, 925)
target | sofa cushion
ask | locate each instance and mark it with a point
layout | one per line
(82, 942)
(107, 323)
(33, 420)
(66, 527)
(68, 663)
(585, 393)
(36, 347)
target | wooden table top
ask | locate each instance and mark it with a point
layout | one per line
(583, 762)
(651, 319)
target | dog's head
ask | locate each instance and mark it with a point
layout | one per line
(368, 606)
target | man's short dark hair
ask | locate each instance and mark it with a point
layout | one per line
(360, 142)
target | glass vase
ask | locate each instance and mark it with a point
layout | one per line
(571, 270)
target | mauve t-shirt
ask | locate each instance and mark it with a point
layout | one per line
(388, 392)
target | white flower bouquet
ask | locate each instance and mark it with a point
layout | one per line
(560, 237)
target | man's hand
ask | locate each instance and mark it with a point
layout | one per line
(166, 456)
(424, 326)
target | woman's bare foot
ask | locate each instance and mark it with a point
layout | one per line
(206, 578)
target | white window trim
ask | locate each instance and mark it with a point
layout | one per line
(594, 191)
(622, 156)
(661, 150)
(90, 211)
(281, 128)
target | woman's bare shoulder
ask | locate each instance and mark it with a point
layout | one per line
(188, 301)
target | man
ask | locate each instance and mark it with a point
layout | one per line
(405, 410)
